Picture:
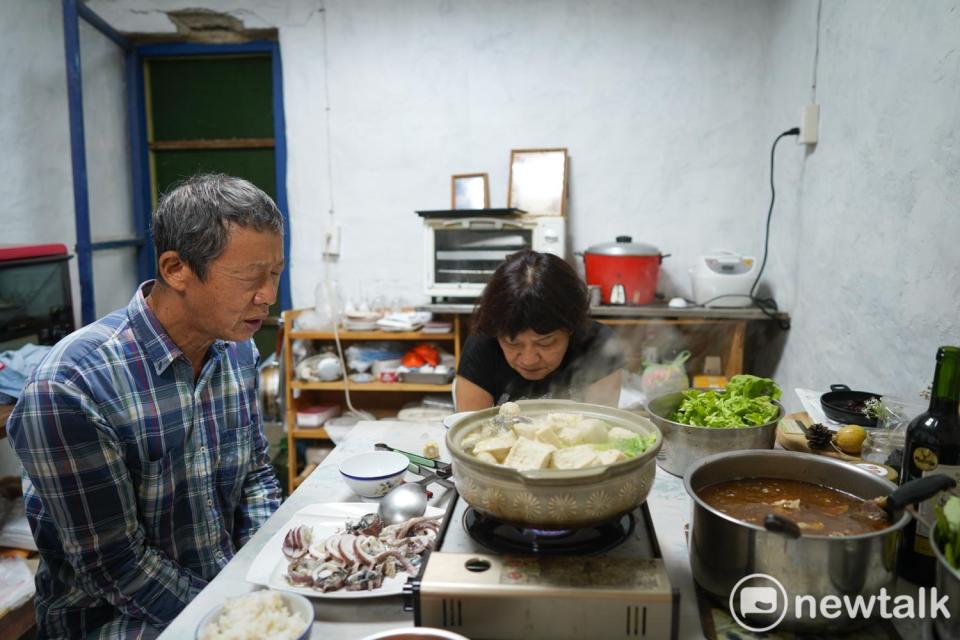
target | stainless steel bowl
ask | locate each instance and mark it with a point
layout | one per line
(554, 498)
(724, 550)
(947, 582)
(684, 444)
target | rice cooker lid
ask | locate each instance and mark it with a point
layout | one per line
(624, 246)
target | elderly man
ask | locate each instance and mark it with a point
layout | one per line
(144, 458)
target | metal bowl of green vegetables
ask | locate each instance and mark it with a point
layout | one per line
(946, 545)
(700, 422)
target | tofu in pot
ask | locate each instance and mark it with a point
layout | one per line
(593, 431)
(561, 420)
(497, 446)
(579, 457)
(547, 434)
(470, 440)
(529, 454)
(611, 456)
(484, 456)
(570, 436)
(525, 430)
(619, 433)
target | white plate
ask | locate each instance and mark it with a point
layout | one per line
(454, 418)
(270, 565)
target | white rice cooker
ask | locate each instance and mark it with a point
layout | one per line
(723, 279)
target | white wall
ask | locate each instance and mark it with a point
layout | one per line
(668, 110)
(661, 133)
(869, 240)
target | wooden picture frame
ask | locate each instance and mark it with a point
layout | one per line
(469, 191)
(538, 181)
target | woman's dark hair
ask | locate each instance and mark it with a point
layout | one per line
(536, 291)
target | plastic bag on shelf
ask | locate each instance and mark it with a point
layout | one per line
(661, 378)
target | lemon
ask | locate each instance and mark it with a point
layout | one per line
(850, 439)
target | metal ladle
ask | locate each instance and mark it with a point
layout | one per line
(409, 500)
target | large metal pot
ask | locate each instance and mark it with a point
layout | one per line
(724, 550)
(947, 582)
(684, 444)
(553, 498)
(270, 386)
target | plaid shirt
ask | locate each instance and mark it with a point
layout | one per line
(140, 483)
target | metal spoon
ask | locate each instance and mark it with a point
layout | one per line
(409, 500)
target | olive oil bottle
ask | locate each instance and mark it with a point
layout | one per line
(932, 447)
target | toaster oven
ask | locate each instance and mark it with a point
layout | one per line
(461, 254)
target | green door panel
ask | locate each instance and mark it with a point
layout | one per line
(211, 98)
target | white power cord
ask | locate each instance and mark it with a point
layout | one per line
(334, 312)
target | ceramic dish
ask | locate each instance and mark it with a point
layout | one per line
(554, 498)
(372, 474)
(294, 603)
(269, 568)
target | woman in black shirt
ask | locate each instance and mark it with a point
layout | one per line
(533, 338)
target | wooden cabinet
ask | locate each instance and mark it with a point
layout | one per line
(379, 398)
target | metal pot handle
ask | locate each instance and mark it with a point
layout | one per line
(664, 255)
(839, 387)
(775, 523)
(917, 491)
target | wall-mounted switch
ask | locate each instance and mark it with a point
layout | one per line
(809, 124)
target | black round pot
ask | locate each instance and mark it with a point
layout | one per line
(845, 405)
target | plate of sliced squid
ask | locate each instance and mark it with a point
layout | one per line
(342, 550)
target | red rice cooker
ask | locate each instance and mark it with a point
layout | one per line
(633, 266)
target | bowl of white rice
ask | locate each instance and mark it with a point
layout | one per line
(263, 614)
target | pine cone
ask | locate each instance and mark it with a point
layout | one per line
(819, 436)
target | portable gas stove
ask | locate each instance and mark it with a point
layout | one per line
(490, 579)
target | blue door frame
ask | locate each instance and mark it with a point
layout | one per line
(142, 203)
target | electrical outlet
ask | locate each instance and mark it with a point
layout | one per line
(331, 241)
(809, 124)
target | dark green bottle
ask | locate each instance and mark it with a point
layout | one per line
(932, 447)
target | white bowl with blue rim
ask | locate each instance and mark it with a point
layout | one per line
(293, 602)
(374, 473)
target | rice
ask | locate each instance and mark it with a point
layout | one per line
(253, 617)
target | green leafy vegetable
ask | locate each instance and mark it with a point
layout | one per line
(631, 447)
(948, 531)
(747, 401)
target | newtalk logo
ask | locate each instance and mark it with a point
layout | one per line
(758, 598)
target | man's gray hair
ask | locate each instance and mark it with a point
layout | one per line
(195, 217)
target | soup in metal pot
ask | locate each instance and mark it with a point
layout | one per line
(816, 509)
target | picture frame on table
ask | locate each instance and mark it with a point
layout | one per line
(469, 191)
(538, 181)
